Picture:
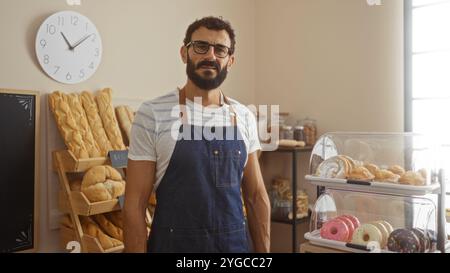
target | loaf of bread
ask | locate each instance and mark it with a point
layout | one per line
(95, 122)
(92, 229)
(108, 227)
(125, 117)
(102, 183)
(116, 217)
(82, 125)
(67, 125)
(106, 110)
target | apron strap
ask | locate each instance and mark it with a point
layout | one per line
(182, 103)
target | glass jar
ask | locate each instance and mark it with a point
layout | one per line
(299, 133)
(310, 131)
(287, 132)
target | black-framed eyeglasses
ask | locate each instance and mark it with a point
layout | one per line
(202, 47)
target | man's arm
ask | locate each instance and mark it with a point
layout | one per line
(139, 185)
(257, 204)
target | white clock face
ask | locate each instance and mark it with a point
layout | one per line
(68, 47)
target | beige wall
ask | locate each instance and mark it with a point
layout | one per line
(340, 62)
(141, 41)
(337, 61)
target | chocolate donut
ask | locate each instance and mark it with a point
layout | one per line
(403, 241)
(424, 243)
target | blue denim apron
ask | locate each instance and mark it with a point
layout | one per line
(199, 205)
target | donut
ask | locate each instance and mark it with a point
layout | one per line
(351, 227)
(335, 230)
(403, 241)
(384, 233)
(388, 226)
(354, 220)
(424, 243)
(366, 233)
(333, 167)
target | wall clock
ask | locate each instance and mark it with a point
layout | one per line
(68, 47)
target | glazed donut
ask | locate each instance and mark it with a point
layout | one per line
(351, 227)
(354, 220)
(388, 226)
(335, 230)
(384, 233)
(403, 241)
(366, 233)
(333, 167)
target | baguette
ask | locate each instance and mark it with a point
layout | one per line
(92, 229)
(95, 123)
(106, 110)
(67, 125)
(108, 227)
(116, 217)
(82, 125)
(125, 117)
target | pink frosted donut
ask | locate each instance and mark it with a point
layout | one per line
(335, 229)
(350, 226)
(354, 220)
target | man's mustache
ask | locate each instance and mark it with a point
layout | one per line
(208, 63)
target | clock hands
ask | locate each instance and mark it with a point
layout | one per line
(80, 41)
(67, 41)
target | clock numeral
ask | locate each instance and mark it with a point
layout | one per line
(94, 37)
(91, 66)
(74, 20)
(57, 69)
(46, 59)
(51, 29)
(68, 77)
(43, 43)
(97, 52)
(60, 21)
(81, 73)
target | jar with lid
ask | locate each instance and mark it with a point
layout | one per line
(287, 132)
(299, 133)
(310, 131)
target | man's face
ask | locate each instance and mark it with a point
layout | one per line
(207, 71)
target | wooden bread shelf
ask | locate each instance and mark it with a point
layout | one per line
(92, 244)
(82, 206)
(72, 164)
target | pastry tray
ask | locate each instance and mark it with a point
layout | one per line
(315, 239)
(72, 164)
(377, 187)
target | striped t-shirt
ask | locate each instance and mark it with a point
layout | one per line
(155, 128)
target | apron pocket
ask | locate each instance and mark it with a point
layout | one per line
(227, 167)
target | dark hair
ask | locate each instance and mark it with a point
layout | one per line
(212, 23)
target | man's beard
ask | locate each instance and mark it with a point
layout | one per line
(205, 83)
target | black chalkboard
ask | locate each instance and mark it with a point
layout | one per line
(18, 170)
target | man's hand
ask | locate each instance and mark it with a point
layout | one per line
(140, 179)
(257, 205)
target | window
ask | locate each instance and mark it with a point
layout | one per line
(427, 72)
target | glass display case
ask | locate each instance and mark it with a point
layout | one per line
(377, 192)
